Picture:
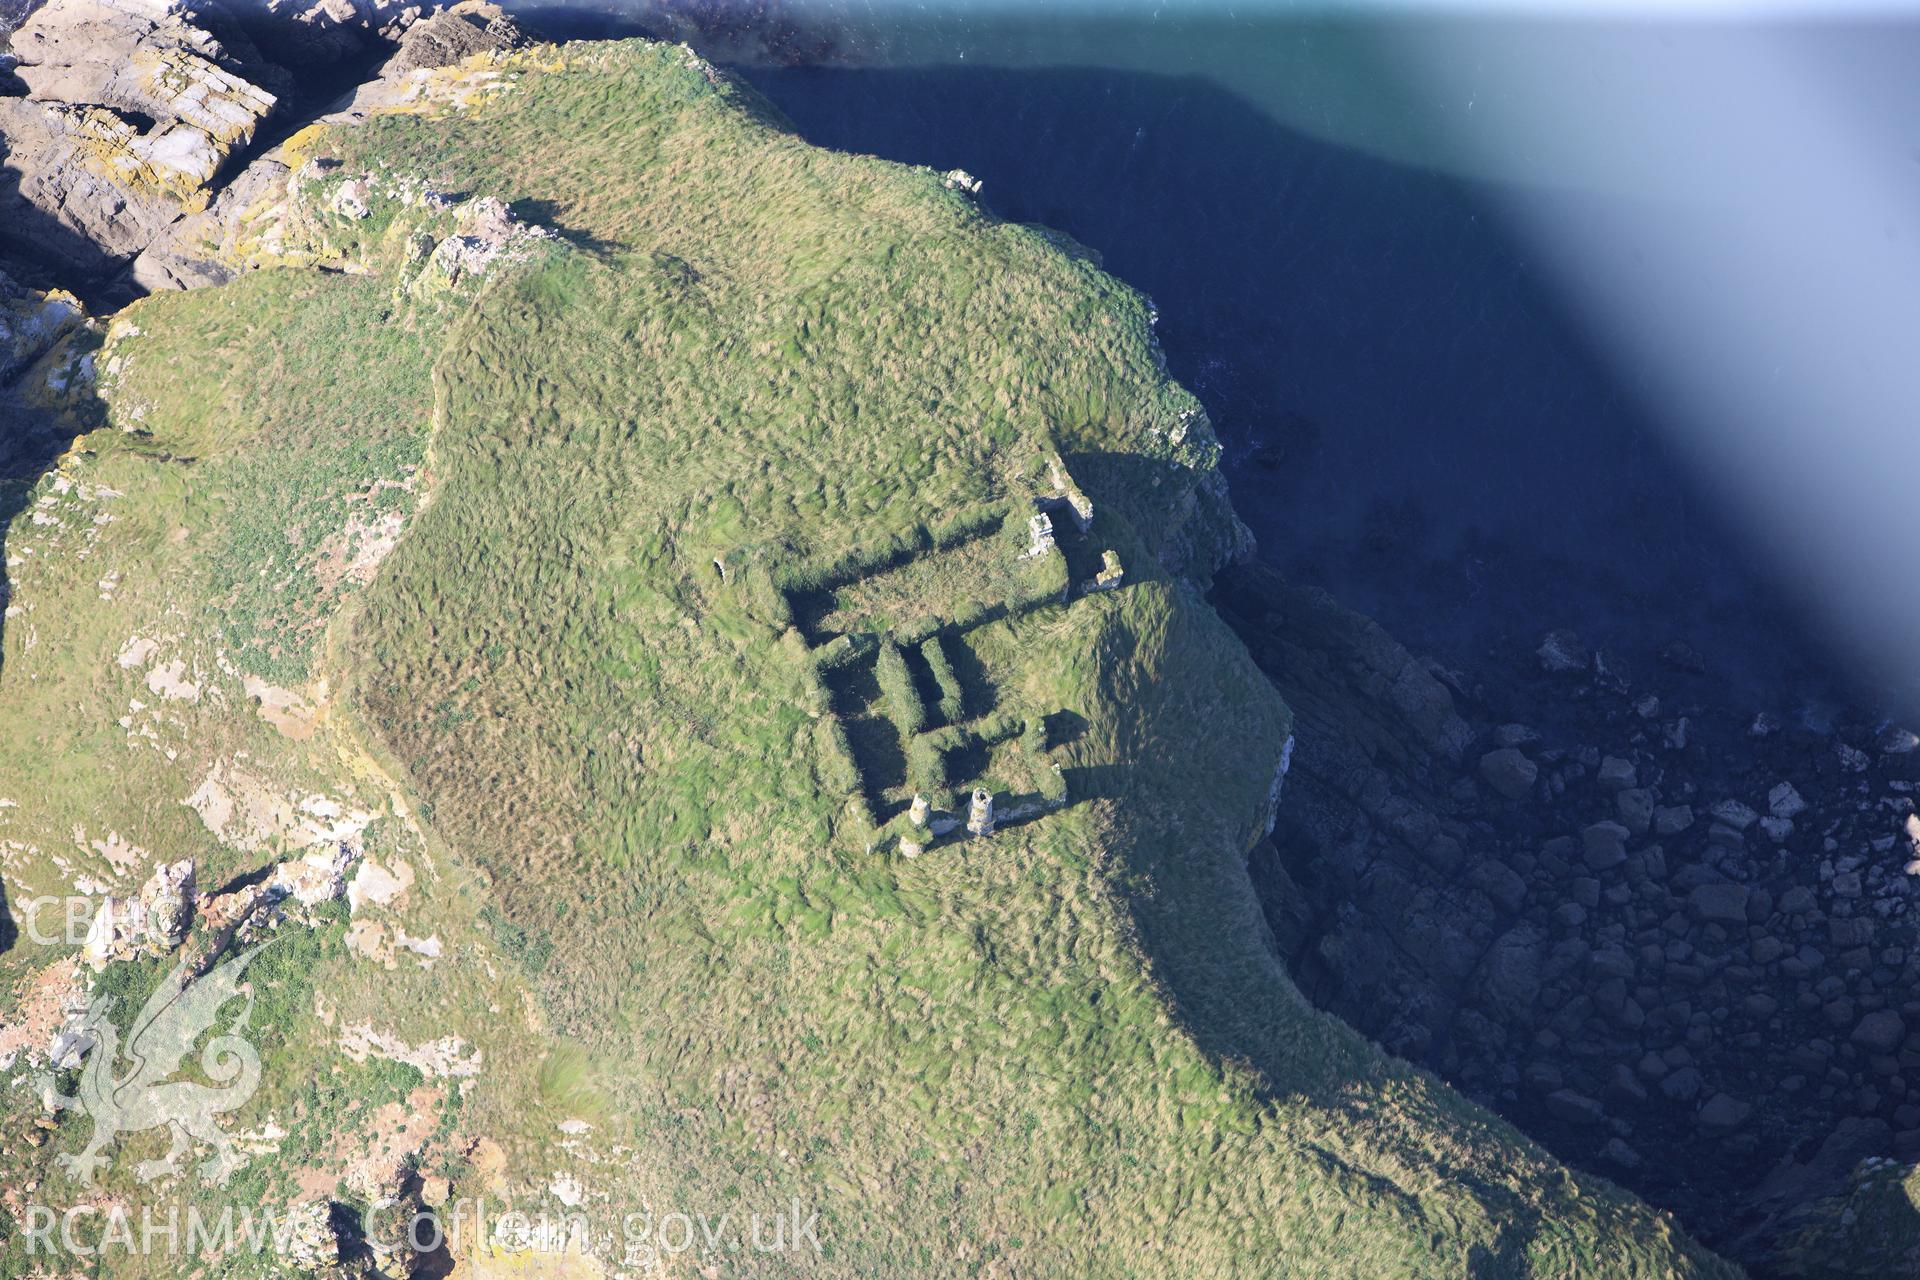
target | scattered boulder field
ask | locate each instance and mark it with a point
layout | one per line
(1667, 935)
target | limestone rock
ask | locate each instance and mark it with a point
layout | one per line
(1798, 900)
(30, 323)
(1896, 741)
(168, 899)
(1671, 820)
(154, 922)
(1500, 883)
(310, 1241)
(1618, 1152)
(1636, 807)
(452, 36)
(1785, 802)
(1735, 814)
(1605, 845)
(132, 109)
(180, 259)
(488, 232)
(350, 200)
(1724, 1113)
(116, 932)
(1720, 901)
(1612, 962)
(1616, 774)
(69, 1047)
(1515, 735)
(1576, 1108)
(1683, 1085)
(1881, 1031)
(1510, 977)
(319, 876)
(1561, 651)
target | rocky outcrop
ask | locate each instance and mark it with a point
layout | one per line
(30, 323)
(318, 876)
(303, 32)
(191, 253)
(131, 128)
(45, 358)
(1378, 915)
(487, 232)
(130, 111)
(308, 1241)
(152, 923)
(469, 28)
(1871, 1227)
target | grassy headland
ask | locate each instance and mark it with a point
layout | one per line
(556, 557)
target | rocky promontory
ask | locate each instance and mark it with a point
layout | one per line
(592, 492)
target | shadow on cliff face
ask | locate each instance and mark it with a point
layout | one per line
(29, 444)
(1669, 1010)
(1412, 422)
(32, 439)
(40, 250)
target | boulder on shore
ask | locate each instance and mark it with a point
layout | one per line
(1509, 772)
(1722, 902)
(1881, 1031)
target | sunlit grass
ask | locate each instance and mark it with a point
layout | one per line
(754, 371)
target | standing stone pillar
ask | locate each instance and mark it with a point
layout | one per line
(917, 812)
(980, 813)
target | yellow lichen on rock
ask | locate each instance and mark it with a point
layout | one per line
(221, 105)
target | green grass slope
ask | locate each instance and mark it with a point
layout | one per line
(629, 490)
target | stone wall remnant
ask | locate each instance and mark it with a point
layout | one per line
(980, 813)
